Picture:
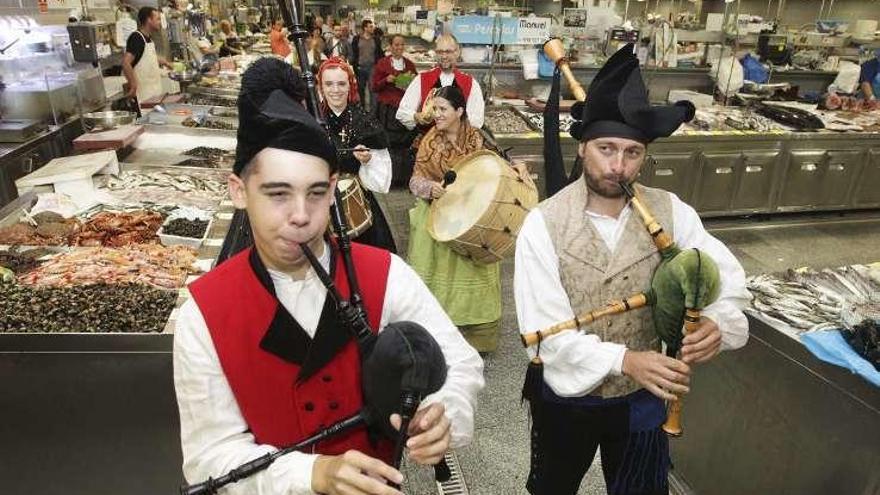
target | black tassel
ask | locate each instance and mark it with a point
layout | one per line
(553, 162)
(645, 464)
(534, 382)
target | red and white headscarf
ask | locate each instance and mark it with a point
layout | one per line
(336, 62)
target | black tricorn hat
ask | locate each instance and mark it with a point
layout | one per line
(617, 105)
(405, 358)
(270, 115)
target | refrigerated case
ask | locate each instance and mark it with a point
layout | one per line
(747, 173)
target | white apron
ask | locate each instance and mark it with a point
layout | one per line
(147, 71)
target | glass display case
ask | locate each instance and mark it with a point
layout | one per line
(40, 79)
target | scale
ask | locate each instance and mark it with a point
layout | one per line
(619, 37)
(19, 130)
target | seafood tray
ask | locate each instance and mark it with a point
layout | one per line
(211, 100)
(163, 267)
(209, 153)
(506, 120)
(96, 228)
(93, 308)
(208, 123)
(536, 120)
(807, 299)
(179, 186)
(200, 163)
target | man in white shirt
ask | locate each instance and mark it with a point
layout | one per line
(261, 359)
(604, 387)
(410, 114)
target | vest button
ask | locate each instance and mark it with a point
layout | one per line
(334, 405)
(309, 406)
(327, 378)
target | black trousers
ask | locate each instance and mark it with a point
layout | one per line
(564, 441)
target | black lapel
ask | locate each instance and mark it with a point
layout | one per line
(285, 337)
(330, 338)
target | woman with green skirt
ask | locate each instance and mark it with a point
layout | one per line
(469, 292)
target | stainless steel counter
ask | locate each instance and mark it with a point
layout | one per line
(750, 173)
(772, 418)
(20, 159)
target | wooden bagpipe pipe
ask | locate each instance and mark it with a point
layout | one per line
(685, 282)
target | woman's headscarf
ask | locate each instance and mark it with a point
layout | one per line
(336, 62)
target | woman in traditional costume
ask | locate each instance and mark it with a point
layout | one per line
(362, 146)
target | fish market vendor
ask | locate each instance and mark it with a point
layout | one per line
(869, 79)
(261, 360)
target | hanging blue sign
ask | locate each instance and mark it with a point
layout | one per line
(482, 30)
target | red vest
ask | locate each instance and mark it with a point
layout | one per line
(429, 78)
(278, 409)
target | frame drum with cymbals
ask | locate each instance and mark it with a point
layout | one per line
(483, 210)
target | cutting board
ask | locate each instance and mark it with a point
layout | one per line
(116, 139)
(152, 102)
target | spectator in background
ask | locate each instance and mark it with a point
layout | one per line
(869, 79)
(315, 53)
(327, 28)
(278, 40)
(366, 50)
(388, 91)
(338, 46)
(231, 45)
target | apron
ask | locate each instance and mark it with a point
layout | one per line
(147, 72)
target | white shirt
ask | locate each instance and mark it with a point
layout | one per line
(576, 363)
(375, 175)
(215, 436)
(412, 99)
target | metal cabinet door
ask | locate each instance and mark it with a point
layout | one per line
(867, 191)
(755, 189)
(715, 187)
(840, 168)
(673, 172)
(803, 183)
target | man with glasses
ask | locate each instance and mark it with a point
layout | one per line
(410, 113)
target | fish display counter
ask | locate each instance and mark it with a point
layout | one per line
(763, 168)
(86, 331)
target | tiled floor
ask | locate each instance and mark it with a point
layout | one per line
(501, 439)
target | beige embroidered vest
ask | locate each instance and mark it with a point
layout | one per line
(592, 276)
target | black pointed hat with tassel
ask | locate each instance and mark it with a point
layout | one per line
(617, 105)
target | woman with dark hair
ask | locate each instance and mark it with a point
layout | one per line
(363, 146)
(469, 292)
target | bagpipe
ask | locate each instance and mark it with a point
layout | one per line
(399, 367)
(684, 282)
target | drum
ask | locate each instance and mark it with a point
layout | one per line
(355, 206)
(483, 210)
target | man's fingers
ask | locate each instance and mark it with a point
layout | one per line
(659, 392)
(426, 417)
(674, 376)
(676, 365)
(395, 421)
(671, 386)
(429, 436)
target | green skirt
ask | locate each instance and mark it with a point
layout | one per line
(469, 292)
